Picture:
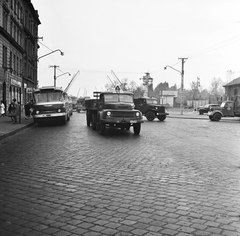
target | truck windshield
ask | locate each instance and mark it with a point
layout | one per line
(223, 104)
(48, 96)
(108, 98)
(151, 101)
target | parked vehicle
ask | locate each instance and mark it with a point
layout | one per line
(205, 108)
(150, 108)
(50, 103)
(227, 109)
(114, 110)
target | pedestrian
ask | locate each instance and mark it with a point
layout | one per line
(27, 110)
(2, 109)
(14, 110)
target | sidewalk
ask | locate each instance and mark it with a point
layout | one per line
(7, 128)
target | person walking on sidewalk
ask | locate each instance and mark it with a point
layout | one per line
(2, 109)
(14, 110)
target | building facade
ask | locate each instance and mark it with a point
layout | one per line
(232, 89)
(19, 23)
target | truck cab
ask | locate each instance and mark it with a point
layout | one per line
(113, 110)
(150, 108)
(226, 109)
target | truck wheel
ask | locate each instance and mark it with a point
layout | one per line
(161, 118)
(216, 117)
(88, 117)
(101, 128)
(136, 128)
(211, 118)
(150, 115)
(64, 120)
(94, 122)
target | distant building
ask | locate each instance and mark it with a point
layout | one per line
(232, 89)
(168, 97)
(18, 50)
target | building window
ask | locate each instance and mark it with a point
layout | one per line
(10, 60)
(4, 57)
(14, 64)
(5, 19)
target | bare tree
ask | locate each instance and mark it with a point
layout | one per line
(216, 88)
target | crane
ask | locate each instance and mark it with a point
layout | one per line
(71, 82)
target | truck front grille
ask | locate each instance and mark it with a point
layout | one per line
(127, 114)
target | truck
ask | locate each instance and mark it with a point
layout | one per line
(113, 110)
(150, 108)
(226, 109)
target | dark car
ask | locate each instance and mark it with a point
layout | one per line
(206, 108)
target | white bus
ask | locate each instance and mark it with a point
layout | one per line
(50, 103)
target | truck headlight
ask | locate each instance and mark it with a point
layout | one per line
(109, 113)
(137, 114)
(37, 112)
(59, 110)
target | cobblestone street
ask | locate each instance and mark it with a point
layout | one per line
(178, 177)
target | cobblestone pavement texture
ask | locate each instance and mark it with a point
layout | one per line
(179, 177)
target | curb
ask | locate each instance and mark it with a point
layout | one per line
(15, 131)
(188, 117)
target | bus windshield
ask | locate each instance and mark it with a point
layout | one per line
(47, 96)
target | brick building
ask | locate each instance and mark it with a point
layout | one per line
(19, 23)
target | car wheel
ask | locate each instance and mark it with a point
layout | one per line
(150, 115)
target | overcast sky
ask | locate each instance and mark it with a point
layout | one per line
(132, 37)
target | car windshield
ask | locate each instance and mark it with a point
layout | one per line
(47, 96)
(128, 98)
(151, 101)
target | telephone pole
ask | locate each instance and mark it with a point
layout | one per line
(182, 83)
(55, 77)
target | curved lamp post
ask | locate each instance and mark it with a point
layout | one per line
(55, 77)
(51, 53)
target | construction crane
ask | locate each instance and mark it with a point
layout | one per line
(111, 81)
(78, 92)
(72, 80)
(122, 85)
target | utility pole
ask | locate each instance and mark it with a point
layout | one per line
(198, 86)
(182, 83)
(55, 77)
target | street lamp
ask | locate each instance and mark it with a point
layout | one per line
(182, 81)
(51, 53)
(64, 74)
(59, 76)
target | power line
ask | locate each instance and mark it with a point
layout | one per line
(216, 46)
